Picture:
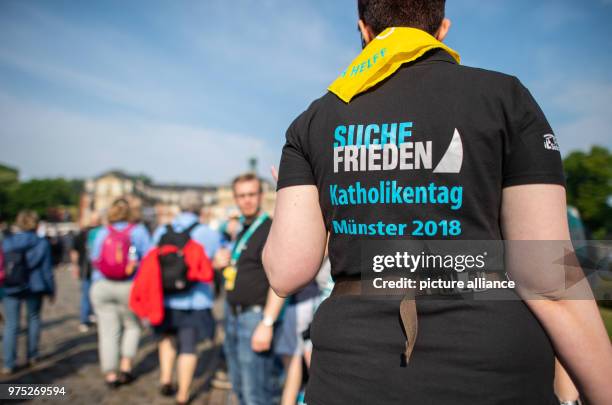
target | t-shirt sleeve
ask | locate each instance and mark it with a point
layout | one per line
(295, 168)
(141, 240)
(531, 153)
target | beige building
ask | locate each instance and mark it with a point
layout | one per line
(158, 203)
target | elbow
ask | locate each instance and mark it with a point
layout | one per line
(278, 273)
(280, 292)
(281, 289)
(270, 263)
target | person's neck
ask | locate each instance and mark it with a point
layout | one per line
(250, 219)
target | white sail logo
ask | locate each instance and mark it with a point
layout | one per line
(453, 157)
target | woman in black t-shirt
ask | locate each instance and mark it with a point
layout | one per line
(481, 163)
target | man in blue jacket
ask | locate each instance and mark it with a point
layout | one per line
(29, 276)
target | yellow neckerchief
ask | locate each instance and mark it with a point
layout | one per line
(382, 57)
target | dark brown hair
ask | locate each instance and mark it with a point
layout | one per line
(426, 15)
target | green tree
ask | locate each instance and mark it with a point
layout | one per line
(41, 195)
(589, 188)
(9, 180)
(8, 175)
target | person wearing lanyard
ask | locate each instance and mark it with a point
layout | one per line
(252, 308)
(410, 146)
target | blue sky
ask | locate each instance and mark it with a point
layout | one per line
(187, 91)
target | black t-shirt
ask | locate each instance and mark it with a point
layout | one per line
(435, 143)
(444, 140)
(251, 284)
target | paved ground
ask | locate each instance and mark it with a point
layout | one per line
(70, 358)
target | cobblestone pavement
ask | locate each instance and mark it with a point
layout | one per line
(70, 358)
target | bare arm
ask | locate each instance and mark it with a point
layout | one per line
(74, 256)
(274, 304)
(74, 263)
(296, 243)
(538, 212)
(261, 340)
(564, 387)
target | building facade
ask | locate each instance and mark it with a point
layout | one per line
(158, 203)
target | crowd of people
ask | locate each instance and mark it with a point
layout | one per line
(168, 280)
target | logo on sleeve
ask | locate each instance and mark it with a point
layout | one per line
(550, 142)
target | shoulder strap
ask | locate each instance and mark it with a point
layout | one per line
(187, 231)
(124, 232)
(179, 239)
(240, 244)
(127, 229)
(191, 228)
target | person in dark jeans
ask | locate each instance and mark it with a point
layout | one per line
(82, 267)
(252, 308)
(29, 277)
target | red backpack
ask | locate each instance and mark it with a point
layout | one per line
(115, 261)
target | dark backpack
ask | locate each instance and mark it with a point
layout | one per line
(174, 270)
(16, 269)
